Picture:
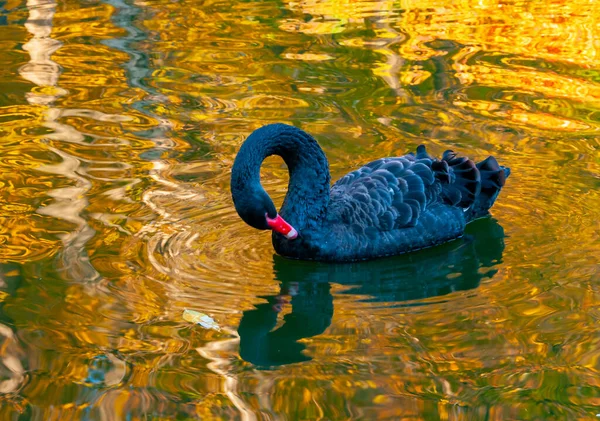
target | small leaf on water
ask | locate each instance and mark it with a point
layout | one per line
(201, 319)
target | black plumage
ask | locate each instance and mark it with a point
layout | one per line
(389, 206)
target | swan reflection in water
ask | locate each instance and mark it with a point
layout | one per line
(399, 281)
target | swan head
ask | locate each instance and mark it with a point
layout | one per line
(258, 211)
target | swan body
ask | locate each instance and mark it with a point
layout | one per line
(389, 206)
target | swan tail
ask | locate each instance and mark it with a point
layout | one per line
(474, 187)
(493, 178)
(460, 179)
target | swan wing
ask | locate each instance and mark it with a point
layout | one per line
(392, 193)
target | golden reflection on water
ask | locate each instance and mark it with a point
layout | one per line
(120, 122)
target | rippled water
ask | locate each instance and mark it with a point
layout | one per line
(120, 120)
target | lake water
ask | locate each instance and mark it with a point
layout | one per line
(119, 123)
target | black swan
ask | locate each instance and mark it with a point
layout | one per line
(390, 206)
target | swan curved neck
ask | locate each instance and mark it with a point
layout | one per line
(308, 189)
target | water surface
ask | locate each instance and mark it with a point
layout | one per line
(119, 122)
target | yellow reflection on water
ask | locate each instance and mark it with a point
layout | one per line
(555, 31)
(118, 133)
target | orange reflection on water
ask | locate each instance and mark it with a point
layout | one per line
(555, 31)
(117, 140)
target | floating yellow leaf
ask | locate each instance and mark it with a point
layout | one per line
(201, 319)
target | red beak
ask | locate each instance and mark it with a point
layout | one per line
(279, 225)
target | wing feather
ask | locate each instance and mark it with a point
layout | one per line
(392, 193)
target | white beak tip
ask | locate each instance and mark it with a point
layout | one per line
(292, 234)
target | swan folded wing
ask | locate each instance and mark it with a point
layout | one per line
(386, 194)
(392, 193)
